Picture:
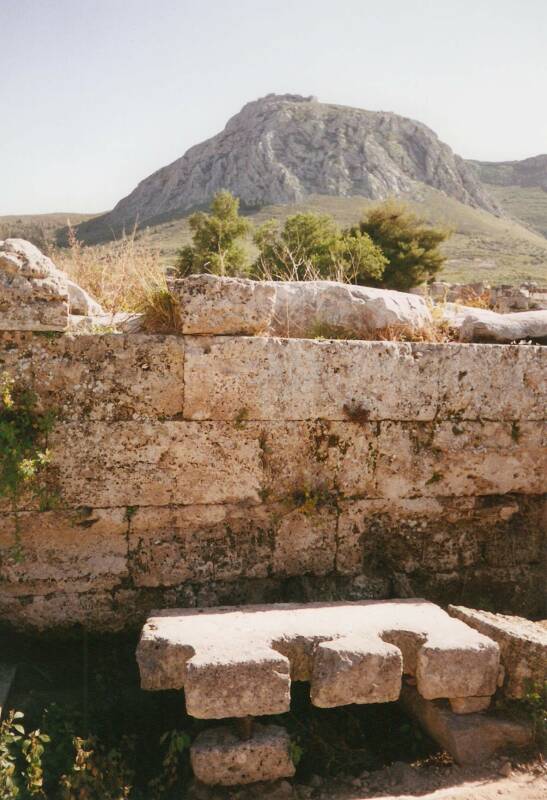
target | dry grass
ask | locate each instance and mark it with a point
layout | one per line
(125, 275)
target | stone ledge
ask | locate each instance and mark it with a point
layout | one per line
(239, 661)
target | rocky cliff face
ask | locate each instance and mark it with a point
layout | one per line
(283, 147)
(528, 172)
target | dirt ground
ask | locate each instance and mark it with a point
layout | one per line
(500, 779)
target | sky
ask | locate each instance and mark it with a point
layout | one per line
(97, 94)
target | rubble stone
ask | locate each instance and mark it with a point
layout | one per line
(523, 647)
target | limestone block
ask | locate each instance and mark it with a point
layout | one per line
(481, 325)
(469, 738)
(110, 377)
(235, 661)
(213, 305)
(80, 301)
(220, 682)
(219, 757)
(155, 464)
(33, 293)
(469, 705)
(461, 458)
(305, 541)
(491, 382)
(302, 307)
(432, 535)
(523, 647)
(354, 670)
(101, 611)
(302, 379)
(311, 462)
(201, 543)
(72, 551)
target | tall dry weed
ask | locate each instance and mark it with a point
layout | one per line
(122, 275)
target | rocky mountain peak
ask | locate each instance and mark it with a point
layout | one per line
(281, 148)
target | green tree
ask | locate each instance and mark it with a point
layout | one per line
(410, 245)
(311, 246)
(216, 240)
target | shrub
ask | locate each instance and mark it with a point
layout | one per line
(410, 245)
(216, 241)
(310, 247)
(23, 447)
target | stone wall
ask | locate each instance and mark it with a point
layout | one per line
(195, 470)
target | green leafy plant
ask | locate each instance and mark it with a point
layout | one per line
(97, 773)
(21, 769)
(411, 246)
(176, 743)
(24, 454)
(216, 240)
(296, 752)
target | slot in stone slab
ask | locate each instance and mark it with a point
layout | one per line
(238, 661)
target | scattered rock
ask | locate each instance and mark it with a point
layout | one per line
(306, 309)
(523, 646)
(33, 292)
(482, 325)
(80, 302)
(468, 738)
(506, 769)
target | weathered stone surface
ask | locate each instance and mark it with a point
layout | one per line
(110, 377)
(481, 325)
(275, 379)
(236, 661)
(523, 647)
(460, 458)
(489, 382)
(202, 543)
(469, 705)
(155, 464)
(354, 669)
(219, 757)
(80, 301)
(213, 305)
(304, 308)
(83, 550)
(469, 738)
(33, 292)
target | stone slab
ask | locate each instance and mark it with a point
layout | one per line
(449, 660)
(219, 757)
(306, 379)
(145, 463)
(110, 377)
(7, 675)
(523, 647)
(83, 550)
(209, 304)
(468, 738)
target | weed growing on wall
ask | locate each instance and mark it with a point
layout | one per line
(23, 448)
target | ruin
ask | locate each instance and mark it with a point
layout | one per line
(230, 466)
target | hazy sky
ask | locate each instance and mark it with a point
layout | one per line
(97, 94)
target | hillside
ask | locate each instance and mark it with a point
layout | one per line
(482, 247)
(283, 148)
(519, 186)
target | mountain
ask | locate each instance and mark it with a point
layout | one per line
(519, 186)
(281, 149)
(528, 172)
